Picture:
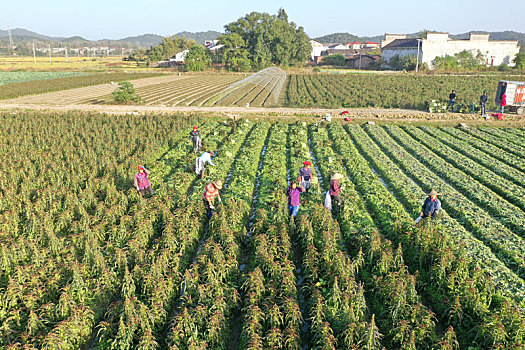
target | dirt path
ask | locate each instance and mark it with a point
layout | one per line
(355, 113)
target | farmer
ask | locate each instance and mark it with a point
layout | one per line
(483, 102)
(201, 161)
(195, 136)
(430, 207)
(451, 100)
(141, 181)
(293, 193)
(503, 103)
(305, 175)
(335, 189)
(210, 192)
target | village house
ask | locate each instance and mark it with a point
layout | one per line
(436, 44)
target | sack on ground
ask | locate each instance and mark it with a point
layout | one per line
(328, 200)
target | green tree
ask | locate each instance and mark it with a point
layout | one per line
(125, 93)
(336, 59)
(197, 59)
(407, 63)
(519, 61)
(234, 54)
(271, 39)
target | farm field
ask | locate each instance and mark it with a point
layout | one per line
(59, 63)
(18, 77)
(387, 90)
(188, 90)
(86, 263)
(41, 92)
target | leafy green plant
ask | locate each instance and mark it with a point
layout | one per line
(125, 93)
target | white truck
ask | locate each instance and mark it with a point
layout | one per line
(515, 91)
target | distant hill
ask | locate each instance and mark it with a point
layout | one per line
(344, 38)
(200, 37)
(141, 41)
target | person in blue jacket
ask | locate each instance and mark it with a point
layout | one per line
(431, 207)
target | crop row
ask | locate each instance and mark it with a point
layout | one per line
(453, 284)
(517, 150)
(210, 297)
(503, 187)
(391, 289)
(488, 161)
(411, 195)
(77, 232)
(384, 91)
(38, 87)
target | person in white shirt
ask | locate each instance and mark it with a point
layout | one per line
(201, 161)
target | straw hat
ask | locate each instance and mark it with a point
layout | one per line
(217, 184)
(433, 193)
(337, 176)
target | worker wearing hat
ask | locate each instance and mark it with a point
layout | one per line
(195, 136)
(141, 181)
(335, 189)
(305, 175)
(431, 206)
(210, 192)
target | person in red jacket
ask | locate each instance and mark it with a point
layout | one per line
(503, 103)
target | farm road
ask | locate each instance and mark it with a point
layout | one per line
(357, 113)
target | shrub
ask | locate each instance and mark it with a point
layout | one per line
(125, 93)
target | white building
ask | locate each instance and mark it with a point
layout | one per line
(317, 48)
(439, 44)
(179, 57)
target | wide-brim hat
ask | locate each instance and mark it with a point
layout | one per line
(217, 184)
(433, 193)
(307, 163)
(337, 176)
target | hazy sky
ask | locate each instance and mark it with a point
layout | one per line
(114, 19)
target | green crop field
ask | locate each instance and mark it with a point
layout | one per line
(85, 262)
(19, 77)
(388, 90)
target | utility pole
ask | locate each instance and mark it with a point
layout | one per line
(34, 53)
(417, 60)
(10, 47)
(49, 47)
(67, 58)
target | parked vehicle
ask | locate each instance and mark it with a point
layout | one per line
(515, 92)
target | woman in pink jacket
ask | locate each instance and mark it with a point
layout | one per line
(141, 182)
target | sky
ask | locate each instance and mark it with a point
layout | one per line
(115, 19)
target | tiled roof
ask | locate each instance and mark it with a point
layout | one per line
(402, 43)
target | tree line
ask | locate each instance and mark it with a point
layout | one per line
(253, 42)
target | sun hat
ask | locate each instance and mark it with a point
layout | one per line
(433, 193)
(217, 184)
(337, 176)
(307, 163)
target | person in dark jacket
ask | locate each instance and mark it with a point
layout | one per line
(305, 175)
(294, 198)
(196, 139)
(335, 189)
(483, 102)
(451, 100)
(431, 207)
